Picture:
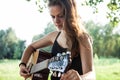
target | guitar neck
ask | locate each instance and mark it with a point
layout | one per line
(57, 63)
(39, 66)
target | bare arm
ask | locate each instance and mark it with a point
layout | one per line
(86, 52)
(43, 42)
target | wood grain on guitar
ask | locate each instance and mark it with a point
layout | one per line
(41, 63)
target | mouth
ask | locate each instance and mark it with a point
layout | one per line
(59, 27)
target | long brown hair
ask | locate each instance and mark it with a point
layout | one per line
(71, 25)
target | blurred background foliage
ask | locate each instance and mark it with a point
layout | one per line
(113, 13)
(113, 6)
(106, 38)
(11, 46)
(106, 41)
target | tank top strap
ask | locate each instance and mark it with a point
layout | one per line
(57, 36)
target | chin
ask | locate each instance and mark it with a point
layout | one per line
(60, 28)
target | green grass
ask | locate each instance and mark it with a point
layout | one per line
(9, 70)
(106, 69)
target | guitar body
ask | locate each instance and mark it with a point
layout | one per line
(38, 56)
(43, 63)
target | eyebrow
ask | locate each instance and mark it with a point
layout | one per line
(61, 13)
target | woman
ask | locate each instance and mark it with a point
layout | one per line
(70, 36)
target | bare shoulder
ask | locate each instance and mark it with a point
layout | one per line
(52, 35)
(45, 41)
(86, 41)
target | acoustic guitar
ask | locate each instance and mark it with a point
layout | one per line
(42, 63)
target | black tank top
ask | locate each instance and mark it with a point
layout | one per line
(76, 62)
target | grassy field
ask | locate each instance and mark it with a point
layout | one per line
(9, 70)
(106, 69)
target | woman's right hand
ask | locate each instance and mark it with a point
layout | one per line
(24, 72)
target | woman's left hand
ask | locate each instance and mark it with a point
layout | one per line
(71, 75)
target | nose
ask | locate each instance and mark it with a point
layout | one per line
(56, 20)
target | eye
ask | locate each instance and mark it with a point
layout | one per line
(61, 16)
(53, 16)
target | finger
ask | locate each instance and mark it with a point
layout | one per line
(25, 75)
(24, 72)
(70, 75)
(66, 75)
(62, 77)
(74, 75)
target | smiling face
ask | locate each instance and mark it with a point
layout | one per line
(57, 15)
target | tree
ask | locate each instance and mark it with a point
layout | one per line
(2, 44)
(106, 42)
(19, 48)
(10, 45)
(112, 14)
(50, 27)
(9, 40)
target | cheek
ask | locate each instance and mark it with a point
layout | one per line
(63, 20)
(53, 20)
(60, 21)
